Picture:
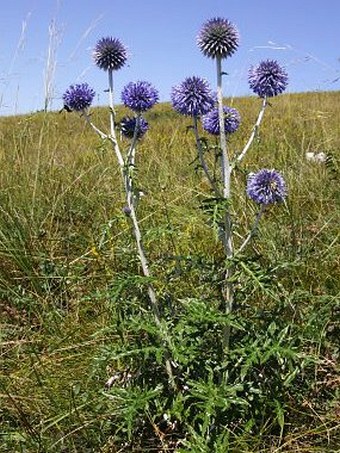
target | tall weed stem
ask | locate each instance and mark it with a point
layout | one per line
(126, 168)
(254, 131)
(228, 291)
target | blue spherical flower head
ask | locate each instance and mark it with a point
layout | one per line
(266, 187)
(128, 126)
(193, 97)
(218, 38)
(232, 121)
(110, 54)
(139, 96)
(268, 78)
(78, 97)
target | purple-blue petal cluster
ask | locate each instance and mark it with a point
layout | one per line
(139, 96)
(128, 126)
(193, 97)
(232, 121)
(266, 187)
(218, 38)
(78, 97)
(110, 54)
(268, 78)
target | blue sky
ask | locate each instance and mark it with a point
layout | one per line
(301, 34)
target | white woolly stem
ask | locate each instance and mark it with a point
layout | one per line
(223, 138)
(228, 291)
(128, 183)
(101, 134)
(254, 130)
(112, 122)
(126, 171)
(225, 163)
(129, 189)
(132, 150)
(146, 273)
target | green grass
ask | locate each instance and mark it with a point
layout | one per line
(68, 266)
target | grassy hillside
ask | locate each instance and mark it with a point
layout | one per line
(68, 265)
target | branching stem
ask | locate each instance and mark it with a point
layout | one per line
(254, 131)
(127, 175)
(113, 137)
(225, 164)
(228, 290)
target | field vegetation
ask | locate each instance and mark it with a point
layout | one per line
(74, 311)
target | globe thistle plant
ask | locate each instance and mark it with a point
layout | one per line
(193, 97)
(232, 120)
(266, 187)
(268, 78)
(128, 126)
(139, 96)
(218, 38)
(110, 54)
(78, 97)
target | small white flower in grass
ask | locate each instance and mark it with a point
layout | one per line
(317, 157)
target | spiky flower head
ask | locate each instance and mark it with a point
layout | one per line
(232, 121)
(128, 126)
(192, 97)
(110, 54)
(266, 187)
(218, 38)
(78, 97)
(139, 96)
(268, 78)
